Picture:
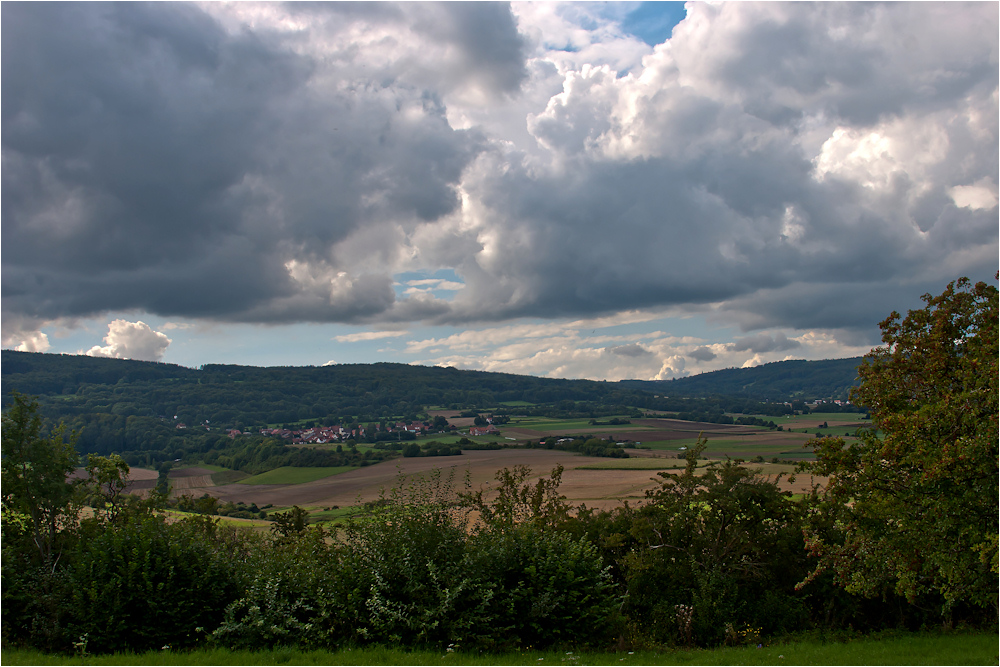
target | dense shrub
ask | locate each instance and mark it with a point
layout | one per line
(410, 555)
(548, 588)
(728, 545)
(145, 584)
(294, 591)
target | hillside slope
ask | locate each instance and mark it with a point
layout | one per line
(777, 381)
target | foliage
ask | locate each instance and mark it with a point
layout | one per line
(517, 502)
(146, 584)
(916, 497)
(548, 588)
(108, 479)
(37, 496)
(727, 543)
(291, 523)
(295, 592)
(411, 552)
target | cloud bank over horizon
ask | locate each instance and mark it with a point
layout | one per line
(789, 171)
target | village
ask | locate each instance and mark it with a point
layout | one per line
(400, 430)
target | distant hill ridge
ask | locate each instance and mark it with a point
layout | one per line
(779, 380)
(43, 373)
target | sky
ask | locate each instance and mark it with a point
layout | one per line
(577, 190)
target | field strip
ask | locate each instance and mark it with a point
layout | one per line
(192, 482)
(293, 475)
(635, 464)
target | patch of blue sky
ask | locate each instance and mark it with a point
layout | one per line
(442, 284)
(653, 22)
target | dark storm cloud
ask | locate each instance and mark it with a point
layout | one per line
(154, 160)
(702, 354)
(629, 350)
(764, 343)
(780, 165)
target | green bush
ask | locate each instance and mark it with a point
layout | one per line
(146, 584)
(36, 603)
(727, 544)
(410, 557)
(548, 588)
(294, 593)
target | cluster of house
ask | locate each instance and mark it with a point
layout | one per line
(321, 435)
(484, 430)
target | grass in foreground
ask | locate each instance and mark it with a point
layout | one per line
(897, 649)
(293, 475)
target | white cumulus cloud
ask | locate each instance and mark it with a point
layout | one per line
(132, 340)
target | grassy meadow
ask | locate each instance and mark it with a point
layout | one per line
(890, 649)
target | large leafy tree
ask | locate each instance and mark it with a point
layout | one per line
(915, 498)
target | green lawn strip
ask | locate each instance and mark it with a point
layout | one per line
(672, 445)
(802, 454)
(209, 466)
(906, 649)
(293, 475)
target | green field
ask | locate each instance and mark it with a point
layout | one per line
(291, 475)
(556, 426)
(453, 438)
(670, 445)
(960, 648)
(209, 466)
(258, 524)
(332, 517)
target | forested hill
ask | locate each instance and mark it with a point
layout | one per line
(71, 384)
(777, 381)
(283, 394)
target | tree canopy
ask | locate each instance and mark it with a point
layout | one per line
(915, 498)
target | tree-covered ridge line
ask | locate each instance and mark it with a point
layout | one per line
(244, 396)
(795, 379)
